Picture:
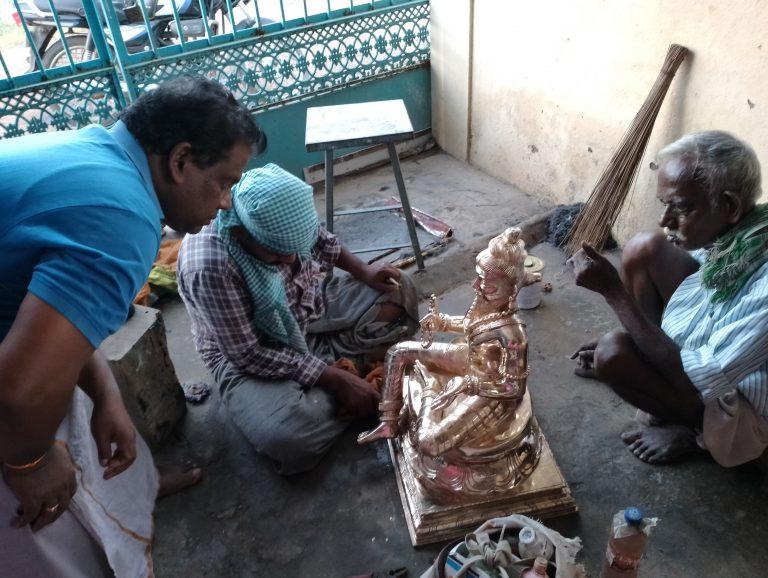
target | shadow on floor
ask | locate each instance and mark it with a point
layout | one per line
(345, 517)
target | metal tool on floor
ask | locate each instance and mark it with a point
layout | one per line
(367, 123)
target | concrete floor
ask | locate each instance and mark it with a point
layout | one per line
(345, 517)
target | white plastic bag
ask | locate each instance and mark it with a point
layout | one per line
(482, 549)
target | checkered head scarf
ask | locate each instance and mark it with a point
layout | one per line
(277, 210)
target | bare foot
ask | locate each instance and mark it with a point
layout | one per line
(648, 419)
(660, 444)
(176, 477)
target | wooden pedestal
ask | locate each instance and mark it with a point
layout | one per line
(545, 494)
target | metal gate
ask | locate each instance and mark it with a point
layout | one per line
(267, 52)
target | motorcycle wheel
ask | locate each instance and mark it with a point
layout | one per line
(55, 55)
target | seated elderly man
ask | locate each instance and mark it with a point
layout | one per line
(694, 305)
(269, 318)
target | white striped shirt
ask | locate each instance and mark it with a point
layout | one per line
(723, 346)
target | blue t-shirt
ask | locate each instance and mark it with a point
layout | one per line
(79, 225)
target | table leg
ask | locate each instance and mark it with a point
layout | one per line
(329, 190)
(406, 205)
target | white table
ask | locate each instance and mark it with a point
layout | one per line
(366, 123)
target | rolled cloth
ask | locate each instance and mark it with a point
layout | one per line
(277, 210)
(736, 255)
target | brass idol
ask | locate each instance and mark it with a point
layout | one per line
(460, 411)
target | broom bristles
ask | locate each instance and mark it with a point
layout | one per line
(594, 222)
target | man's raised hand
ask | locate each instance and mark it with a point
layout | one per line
(594, 272)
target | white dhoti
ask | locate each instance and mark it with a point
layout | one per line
(108, 528)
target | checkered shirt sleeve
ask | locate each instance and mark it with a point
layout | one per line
(327, 249)
(222, 301)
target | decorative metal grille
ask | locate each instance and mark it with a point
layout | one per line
(261, 71)
(268, 70)
(70, 103)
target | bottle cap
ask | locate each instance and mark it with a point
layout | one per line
(633, 516)
(527, 535)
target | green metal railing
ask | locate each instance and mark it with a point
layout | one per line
(272, 61)
(268, 52)
(56, 97)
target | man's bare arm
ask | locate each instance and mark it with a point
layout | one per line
(654, 345)
(350, 263)
(595, 272)
(110, 423)
(382, 277)
(96, 378)
(41, 359)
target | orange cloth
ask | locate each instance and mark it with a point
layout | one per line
(142, 297)
(376, 376)
(169, 253)
(167, 256)
(347, 365)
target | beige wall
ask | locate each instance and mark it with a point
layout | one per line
(552, 86)
(450, 58)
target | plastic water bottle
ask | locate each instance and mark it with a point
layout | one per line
(539, 569)
(626, 545)
(532, 544)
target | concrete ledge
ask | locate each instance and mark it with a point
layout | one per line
(138, 356)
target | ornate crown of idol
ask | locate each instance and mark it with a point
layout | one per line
(505, 254)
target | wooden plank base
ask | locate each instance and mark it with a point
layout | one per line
(545, 494)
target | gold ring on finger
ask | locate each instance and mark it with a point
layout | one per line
(52, 509)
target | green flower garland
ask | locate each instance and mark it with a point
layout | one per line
(737, 255)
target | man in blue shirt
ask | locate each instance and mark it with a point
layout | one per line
(81, 214)
(694, 305)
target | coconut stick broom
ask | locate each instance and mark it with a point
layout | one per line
(594, 223)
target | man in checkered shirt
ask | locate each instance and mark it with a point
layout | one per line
(269, 318)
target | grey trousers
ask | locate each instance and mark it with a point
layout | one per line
(293, 425)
